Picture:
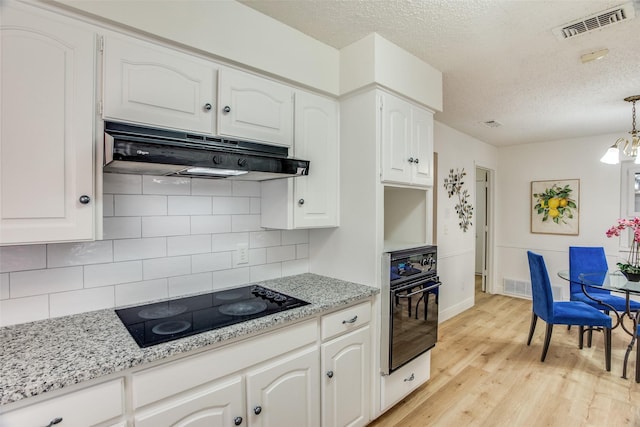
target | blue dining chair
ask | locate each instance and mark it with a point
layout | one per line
(562, 312)
(585, 259)
(638, 354)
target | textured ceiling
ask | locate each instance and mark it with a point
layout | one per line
(499, 59)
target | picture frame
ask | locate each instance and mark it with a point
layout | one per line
(555, 207)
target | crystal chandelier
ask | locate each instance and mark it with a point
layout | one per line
(629, 148)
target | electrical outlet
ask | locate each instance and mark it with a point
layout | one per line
(242, 253)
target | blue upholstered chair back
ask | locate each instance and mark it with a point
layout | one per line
(584, 259)
(540, 287)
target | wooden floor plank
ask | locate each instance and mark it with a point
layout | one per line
(484, 374)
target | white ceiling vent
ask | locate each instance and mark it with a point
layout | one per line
(594, 22)
(492, 124)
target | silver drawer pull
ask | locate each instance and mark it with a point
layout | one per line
(411, 378)
(352, 320)
(54, 421)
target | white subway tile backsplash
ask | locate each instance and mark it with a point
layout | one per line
(107, 205)
(299, 266)
(228, 278)
(189, 205)
(210, 187)
(127, 205)
(210, 224)
(240, 223)
(41, 282)
(18, 258)
(231, 205)
(302, 251)
(228, 241)
(263, 239)
(246, 188)
(67, 254)
(156, 226)
(188, 245)
(112, 273)
(210, 262)
(141, 292)
(255, 206)
(22, 310)
(186, 285)
(74, 302)
(117, 183)
(130, 249)
(281, 253)
(266, 272)
(165, 267)
(122, 227)
(4, 286)
(166, 185)
(292, 237)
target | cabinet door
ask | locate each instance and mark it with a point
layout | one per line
(396, 141)
(422, 147)
(216, 405)
(47, 135)
(285, 392)
(157, 86)
(316, 139)
(345, 384)
(254, 108)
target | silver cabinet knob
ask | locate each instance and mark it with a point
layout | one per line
(208, 106)
(84, 199)
(226, 109)
(330, 374)
(410, 160)
(301, 202)
(237, 421)
(54, 421)
(411, 378)
(257, 410)
(416, 161)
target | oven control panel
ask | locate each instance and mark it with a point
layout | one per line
(413, 263)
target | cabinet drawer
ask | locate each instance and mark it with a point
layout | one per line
(406, 379)
(345, 320)
(77, 409)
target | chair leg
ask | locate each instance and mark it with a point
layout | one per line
(580, 337)
(568, 327)
(637, 360)
(547, 340)
(534, 320)
(607, 348)
(589, 337)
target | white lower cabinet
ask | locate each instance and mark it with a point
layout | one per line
(87, 407)
(346, 379)
(404, 380)
(219, 404)
(285, 392)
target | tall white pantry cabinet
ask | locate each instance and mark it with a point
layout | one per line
(47, 137)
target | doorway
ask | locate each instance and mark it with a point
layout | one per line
(482, 255)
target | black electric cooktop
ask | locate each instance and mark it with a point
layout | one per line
(164, 321)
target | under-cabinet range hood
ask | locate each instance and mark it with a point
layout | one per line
(152, 151)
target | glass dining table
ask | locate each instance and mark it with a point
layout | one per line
(613, 281)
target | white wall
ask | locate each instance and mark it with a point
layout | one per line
(599, 203)
(164, 237)
(456, 248)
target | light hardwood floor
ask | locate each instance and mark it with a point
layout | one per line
(483, 374)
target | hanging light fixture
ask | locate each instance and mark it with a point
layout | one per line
(629, 148)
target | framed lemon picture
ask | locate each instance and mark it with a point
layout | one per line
(555, 207)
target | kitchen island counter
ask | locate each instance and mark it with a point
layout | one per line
(47, 355)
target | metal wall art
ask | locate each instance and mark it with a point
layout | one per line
(454, 184)
(554, 206)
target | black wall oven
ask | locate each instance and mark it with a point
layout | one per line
(410, 291)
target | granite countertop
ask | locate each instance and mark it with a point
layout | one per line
(50, 354)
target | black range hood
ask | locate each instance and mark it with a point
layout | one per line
(153, 151)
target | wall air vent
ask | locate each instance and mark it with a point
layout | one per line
(594, 22)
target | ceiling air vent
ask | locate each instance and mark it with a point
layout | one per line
(492, 124)
(594, 22)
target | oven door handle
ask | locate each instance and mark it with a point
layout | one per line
(421, 291)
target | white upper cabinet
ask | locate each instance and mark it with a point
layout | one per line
(148, 84)
(254, 108)
(407, 143)
(47, 136)
(308, 201)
